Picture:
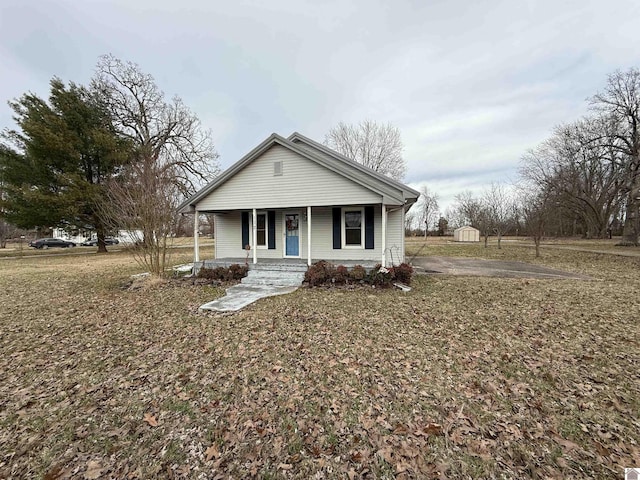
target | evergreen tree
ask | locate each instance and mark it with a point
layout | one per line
(56, 162)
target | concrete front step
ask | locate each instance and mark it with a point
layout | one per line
(273, 277)
(258, 267)
(259, 283)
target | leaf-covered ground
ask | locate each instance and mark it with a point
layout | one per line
(460, 378)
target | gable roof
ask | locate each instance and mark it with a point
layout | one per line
(407, 191)
(311, 150)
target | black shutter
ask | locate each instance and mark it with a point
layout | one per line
(271, 221)
(368, 227)
(337, 228)
(245, 229)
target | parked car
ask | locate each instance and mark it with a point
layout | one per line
(94, 241)
(51, 243)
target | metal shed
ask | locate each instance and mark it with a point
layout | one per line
(466, 234)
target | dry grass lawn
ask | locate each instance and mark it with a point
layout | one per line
(460, 378)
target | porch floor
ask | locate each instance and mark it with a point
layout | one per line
(266, 263)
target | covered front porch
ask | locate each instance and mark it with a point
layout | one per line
(344, 235)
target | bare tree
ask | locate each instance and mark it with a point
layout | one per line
(165, 136)
(498, 208)
(454, 217)
(408, 223)
(170, 156)
(536, 207)
(468, 209)
(374, 145)
(144, 205)
(428, 208)
(581, 172)
(620, 101)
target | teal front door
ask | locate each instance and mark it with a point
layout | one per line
(292, 235)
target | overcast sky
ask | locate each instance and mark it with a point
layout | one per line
(470, 84)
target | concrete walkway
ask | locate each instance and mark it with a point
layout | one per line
(266, 281)
(239, 296)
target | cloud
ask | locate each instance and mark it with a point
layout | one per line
(471, 85)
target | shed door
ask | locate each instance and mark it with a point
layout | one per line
(292, 235)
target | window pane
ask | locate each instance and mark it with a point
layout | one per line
(353, 236)
(353, 219)
(261, 224)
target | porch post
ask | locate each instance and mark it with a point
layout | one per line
(254, 240)
(384, 235)
(402, 259)
(196, 239)
(215, 237)
(309, 236)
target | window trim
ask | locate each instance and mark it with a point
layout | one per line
(344, 228)
(266, 231)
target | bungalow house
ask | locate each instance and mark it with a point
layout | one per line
(293, 198)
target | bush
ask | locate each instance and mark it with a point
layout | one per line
(323, 273)
(403, 273)
(237, 272)
(340, 275)
(317, 274)
(358, 273)
(381, 276)
(234, 272)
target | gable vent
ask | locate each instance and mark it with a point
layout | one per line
(277, 168)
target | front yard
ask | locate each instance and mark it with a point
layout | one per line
(460, 378)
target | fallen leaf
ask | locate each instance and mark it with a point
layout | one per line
(212, 451)
(150, 419)
(566, 443)
(94, 470)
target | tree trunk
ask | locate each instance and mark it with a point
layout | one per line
(536, 239)
(631, 220)
(100, 233)
(499, 240)
(486, 240)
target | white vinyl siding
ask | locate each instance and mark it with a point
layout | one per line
(379, 184)
(229, 237)
(303, 183)
(322, 239)
(395, 237)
